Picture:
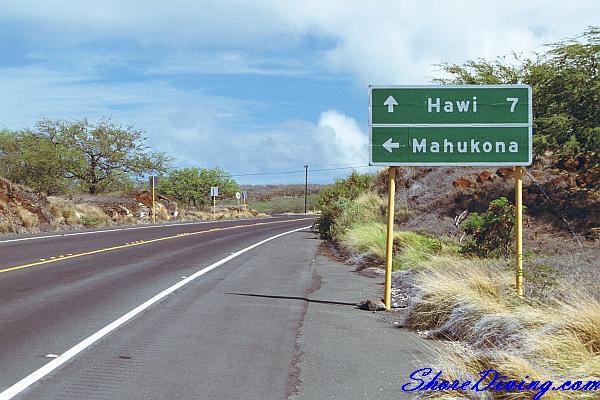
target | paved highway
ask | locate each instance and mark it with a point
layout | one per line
(178, 311)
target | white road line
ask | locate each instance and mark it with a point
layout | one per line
(29, 238)
(91, 232)
(35, 376)
(126, 229)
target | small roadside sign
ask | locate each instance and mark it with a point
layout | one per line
(153, 182)
(214, 191)
(238, 195)
(244, 195)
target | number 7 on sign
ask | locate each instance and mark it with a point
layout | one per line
(514, 101)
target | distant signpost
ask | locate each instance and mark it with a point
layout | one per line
(450, 125)
(214, 193)
(244, 197)
(153, 182)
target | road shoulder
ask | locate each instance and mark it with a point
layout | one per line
(346, 353)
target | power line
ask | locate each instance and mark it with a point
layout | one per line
(301, 171)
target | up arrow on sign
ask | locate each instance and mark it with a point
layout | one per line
(390, 103)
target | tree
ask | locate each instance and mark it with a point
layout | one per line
(32, 160)
(192, 185)
(566, 93)
(98, 155)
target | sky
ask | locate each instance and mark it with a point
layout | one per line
(253, 87)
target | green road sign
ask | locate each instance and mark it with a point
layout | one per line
(450, 125)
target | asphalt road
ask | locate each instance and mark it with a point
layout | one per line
(221, 336)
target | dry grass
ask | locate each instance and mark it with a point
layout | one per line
(162, 213)
(472, 302)
(195, 215)
(77, 214)
(28, 219)
(6, 227)
(91, 216)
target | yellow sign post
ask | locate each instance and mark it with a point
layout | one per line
(153, 180)
(153, 207)
(519, 229)
(390, 240)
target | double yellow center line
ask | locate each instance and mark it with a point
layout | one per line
(139, 243)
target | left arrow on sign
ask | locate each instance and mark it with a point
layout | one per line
(390, 103)
(389, 145)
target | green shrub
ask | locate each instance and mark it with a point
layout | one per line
(410, 249)
(367, 208)
(334, 199)
(89, 222)
(491, 234)
(413, 248)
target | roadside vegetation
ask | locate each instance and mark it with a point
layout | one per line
(463, 292)
(287, 204)
(64, 175)
(455, 241)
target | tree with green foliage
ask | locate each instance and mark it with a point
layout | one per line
(335, 198)
(192, 185)
(566, 93)
(31, 160)
(102, 154)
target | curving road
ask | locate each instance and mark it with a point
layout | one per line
(218, 336)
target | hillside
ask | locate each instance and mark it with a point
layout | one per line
(562, 217)
(22, 210)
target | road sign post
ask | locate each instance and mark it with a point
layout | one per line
(467, 125)
(238, 196)
(244, 197)
(519, 229)
(153, 181)
(387, 298)
(305, 187)
(214, 192)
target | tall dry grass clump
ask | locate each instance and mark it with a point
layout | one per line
(71, 214)
(91, 216)
(6, 227)
(472, 303)
(28, 219)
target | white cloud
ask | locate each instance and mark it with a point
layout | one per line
(342, 140)
(393, 42)
(335, 139)
(195, 128)
(73, 44)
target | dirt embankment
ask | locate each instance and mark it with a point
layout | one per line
(562, 218)
(22, 210)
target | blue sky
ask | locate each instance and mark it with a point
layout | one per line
(252, 86)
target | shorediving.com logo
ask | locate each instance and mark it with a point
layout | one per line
(491, 380)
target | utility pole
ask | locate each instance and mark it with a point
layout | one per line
(305, 187)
